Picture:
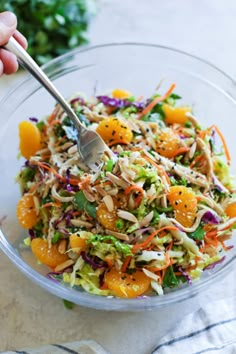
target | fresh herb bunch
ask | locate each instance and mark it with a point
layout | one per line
(51, 26)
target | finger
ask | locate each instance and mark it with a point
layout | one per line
(9, 61)
(20, 39)
(1, 67)
(8, 25)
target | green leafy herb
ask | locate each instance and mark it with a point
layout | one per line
(38, 229)
(27, 174)
(40, 125)
(52, 27)
(81, 204)
(198, 234)
(175, 96)
(170, 280)
(68, 304)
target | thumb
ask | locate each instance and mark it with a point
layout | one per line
(8, 24)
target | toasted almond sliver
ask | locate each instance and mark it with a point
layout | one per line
(109, 202)
(150, 274)
(89, 196)
(64, 265)
(118, 181)
(62, 247)
(127, 216)
(100, 190)
(117, 235)
(77, 222)
(36, 204)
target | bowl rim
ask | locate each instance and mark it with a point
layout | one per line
(102, 302)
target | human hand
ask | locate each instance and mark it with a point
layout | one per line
(8, 61)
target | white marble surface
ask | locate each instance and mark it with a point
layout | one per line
(28, 315)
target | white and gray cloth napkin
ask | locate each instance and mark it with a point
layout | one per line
(77, 347)
(211, 329)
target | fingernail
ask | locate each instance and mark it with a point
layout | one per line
(8, 19)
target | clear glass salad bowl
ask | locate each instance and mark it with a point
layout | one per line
(137, 68)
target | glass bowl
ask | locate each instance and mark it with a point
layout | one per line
(137, 68)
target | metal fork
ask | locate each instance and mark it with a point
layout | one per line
(90, 144)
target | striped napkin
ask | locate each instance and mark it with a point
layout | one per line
(77, 347)
(211, 329)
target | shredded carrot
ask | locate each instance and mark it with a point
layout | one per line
(140, 98)
(178, 273)
(116, 142)
(211, 241)
(54, 122)
(103, 286)
(149, 239)
(202, 133)
(152, 104)
(168, 263)
(109, 262)
(227, 153)
(226, 248)
(162, 234)
(180, 151)
(159, 168)
(60, 140)
(197, 159)
(126, 263)
(169, 247)
(51, 204)
(85, 183)
(34, 187)
(76, 213)
(51, 117)
(135, 188)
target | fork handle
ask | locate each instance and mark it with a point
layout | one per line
(30, 65)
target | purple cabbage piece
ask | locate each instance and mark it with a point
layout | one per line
(31, 233)
(210, 218)
(51, 275)
(77, 99)
(212, 265)
(33, 119)
(186, 275)
(92, 262)
(119, 103)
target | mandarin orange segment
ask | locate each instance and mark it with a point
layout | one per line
(127, 285)
(121, 94)
(184, 203)
(47, 255)
(176, 114)
(107, 218)
(30, 139)
(25, 211)
(168, 143)
(114, 131)
(230, 210)
(77, 243)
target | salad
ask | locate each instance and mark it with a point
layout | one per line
(154, 219)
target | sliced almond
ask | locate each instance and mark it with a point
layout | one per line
(64, 265)
(117, 235)
(127, 216)
(109, 202)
